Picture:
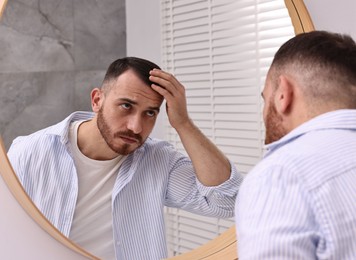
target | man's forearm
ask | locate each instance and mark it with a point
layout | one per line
(211, 165)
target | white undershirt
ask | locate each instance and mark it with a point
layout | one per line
(92, 223)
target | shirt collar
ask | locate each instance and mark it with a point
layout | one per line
(62, 128)
(339, 119)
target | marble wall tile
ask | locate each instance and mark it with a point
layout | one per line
(17, 91)
(37, 36)
(99, 31)
(85, 82)
(52, 53)
(44, 99)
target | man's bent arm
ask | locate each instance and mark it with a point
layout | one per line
(211, 166)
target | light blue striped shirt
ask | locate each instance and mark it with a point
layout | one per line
(299, 202)
(152, 177)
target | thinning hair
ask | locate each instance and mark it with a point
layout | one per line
(323, 63)
(140, 67)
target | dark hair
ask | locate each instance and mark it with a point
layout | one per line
(325, 61)
(323, 48)
(141, 67)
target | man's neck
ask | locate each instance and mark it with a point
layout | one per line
(92, 144)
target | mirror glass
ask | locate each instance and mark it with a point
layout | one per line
(47, 61)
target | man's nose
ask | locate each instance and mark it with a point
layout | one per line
(135, 124)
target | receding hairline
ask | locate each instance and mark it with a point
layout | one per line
(108, 83)
(140, 67)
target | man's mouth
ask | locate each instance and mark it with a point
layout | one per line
(128, 139)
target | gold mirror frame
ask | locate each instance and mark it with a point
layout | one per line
(2, 7)
(222, 247)
(299, 15)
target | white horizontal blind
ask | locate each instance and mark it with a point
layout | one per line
(220, 50)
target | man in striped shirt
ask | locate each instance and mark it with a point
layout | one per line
(103, 182)
(299, 202)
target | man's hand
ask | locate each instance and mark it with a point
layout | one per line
(174, 94)
(211, 166)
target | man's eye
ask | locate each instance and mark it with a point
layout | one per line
(151, 113)
(126, 106)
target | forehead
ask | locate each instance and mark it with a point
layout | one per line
(129, 85)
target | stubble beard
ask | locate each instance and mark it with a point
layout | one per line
(274, 127)
(110, 137)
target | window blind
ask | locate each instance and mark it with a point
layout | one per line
(220, 50)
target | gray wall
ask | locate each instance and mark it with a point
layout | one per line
(52, 53)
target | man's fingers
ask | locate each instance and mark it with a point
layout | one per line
(162, 74)
(162, 90)
(164, 79)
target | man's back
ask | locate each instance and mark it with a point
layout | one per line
(300, 201)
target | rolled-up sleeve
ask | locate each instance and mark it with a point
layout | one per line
(186, 192)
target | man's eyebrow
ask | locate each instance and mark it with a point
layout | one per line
(135, 103)
(155, 108)
(128, 100)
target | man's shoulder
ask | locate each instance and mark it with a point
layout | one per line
(50, 134)
(312, 159)
(278, 166)
(29, 143)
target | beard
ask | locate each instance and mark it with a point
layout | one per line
(110, 137)
(274, 127)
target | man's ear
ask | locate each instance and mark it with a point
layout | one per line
(284, 95)
(97, 97)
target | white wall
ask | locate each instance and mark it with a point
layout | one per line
(338, 16)
(143, 38)
(143, 29)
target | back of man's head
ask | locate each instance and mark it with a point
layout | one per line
(323, 64)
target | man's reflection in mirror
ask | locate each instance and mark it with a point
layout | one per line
(103, 182)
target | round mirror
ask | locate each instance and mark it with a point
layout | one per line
(223, 247)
